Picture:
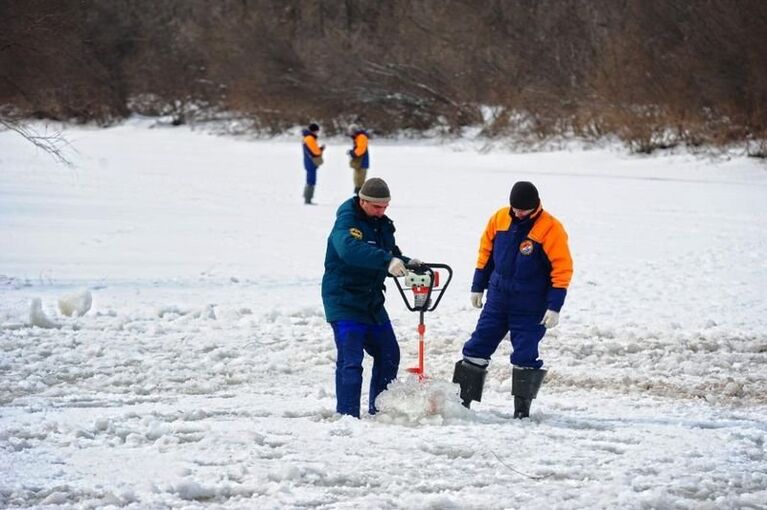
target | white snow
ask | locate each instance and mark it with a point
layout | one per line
(202, 375)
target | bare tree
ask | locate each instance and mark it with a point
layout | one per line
(654, 72)
(52, 143)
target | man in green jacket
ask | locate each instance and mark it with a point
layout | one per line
(361, 253)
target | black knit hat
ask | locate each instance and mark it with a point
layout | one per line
(524, 195)
(375, 190)
(313, 127)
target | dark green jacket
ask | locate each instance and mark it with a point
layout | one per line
(356, 264)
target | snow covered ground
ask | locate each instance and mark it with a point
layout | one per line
(202, 375)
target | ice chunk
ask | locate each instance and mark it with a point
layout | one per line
(76, 304)
(37, 316)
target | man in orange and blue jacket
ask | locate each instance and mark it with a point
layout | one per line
(360, 156)
(525, 265)
(312, 159)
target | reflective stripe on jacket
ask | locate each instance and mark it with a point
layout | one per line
(529, 259)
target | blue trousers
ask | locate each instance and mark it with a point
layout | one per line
(311, 175)
(498, 317)
(352, 339)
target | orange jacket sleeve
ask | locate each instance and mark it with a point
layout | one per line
(311, 143)
(553, 238)
(498, 221)
(360, 144)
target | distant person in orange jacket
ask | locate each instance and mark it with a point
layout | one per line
(360, 156)
(525, 265)
(312, 159)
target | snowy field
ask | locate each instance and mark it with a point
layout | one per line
(202, 375)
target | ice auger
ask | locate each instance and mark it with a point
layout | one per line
(423, 281)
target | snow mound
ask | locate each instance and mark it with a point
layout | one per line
(410, 402)
(76, 304)
(190, 490)
(37, 316)
(173, 311)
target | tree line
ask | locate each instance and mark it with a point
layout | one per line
(655, 73)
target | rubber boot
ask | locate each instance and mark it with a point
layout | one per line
(525, 383)
(522, 407)
(471, 378)
(308, 193)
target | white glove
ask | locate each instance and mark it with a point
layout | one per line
(397, 267)
(415, 262)
(476, 299)
(550, 319)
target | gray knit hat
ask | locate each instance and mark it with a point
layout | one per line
(375, 190)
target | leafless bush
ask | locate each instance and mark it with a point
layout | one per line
(656, 73)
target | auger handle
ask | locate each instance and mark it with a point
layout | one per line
(426, 268)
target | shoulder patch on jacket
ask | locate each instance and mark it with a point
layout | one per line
(355, 233)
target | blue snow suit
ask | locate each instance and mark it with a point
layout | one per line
(526, 267)
(311, 150)
(358, 253)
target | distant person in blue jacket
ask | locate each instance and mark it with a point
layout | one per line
(361, 253)
(312, 159)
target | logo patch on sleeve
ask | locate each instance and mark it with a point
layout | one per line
(356, 233)
(526, 247)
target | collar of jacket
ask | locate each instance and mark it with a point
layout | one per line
(530, 219)
(362, 214)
